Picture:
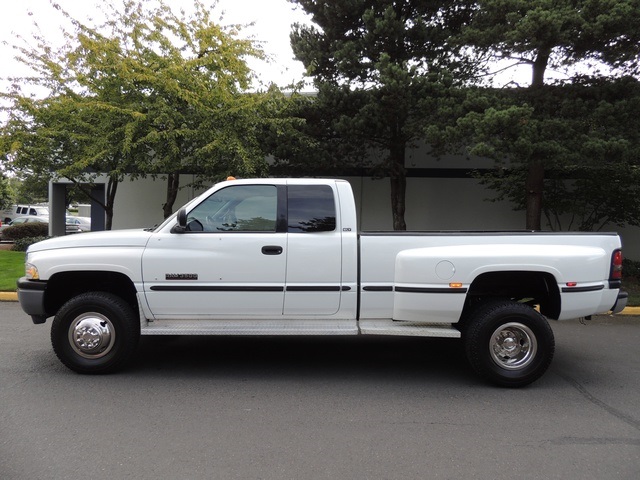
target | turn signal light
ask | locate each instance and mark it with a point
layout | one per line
(455, 285)
(31, 272)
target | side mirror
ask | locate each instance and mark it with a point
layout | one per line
(181, 217)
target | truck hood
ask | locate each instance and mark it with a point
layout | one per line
(115, 238)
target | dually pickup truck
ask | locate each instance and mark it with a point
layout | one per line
(284, 257)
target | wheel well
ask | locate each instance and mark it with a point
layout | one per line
(533, 288)
(61, 287)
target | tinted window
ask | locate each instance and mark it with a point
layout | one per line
(311, 208)
(242, 208)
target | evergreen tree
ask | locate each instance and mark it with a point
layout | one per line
(601, 36)
(381, 68)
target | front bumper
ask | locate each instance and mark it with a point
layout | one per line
(31, 297)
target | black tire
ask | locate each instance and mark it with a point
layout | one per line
(95, 332)
(509, 343)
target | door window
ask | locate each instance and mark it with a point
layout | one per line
(241, 208)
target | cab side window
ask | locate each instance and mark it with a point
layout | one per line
(311, 208)
(241, 208)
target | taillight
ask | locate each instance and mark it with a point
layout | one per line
(616, 266)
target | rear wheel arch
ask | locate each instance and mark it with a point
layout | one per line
(531, 287)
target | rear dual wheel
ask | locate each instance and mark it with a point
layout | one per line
(509, 343)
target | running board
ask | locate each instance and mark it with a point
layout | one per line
(298, 327)
(410, 329)
(250, 327)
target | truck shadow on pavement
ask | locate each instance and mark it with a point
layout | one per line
(291, 357)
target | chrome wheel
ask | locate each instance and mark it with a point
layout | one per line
(513, 346)
(92, 335)
(95, 332)
(508, 343)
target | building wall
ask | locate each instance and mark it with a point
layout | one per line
(139, 202)
(433, 204)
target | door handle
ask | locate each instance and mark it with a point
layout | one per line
(271, 250)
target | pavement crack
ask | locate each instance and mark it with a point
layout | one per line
(595, 441)
(629, 420)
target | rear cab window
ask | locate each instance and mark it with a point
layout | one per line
(311, 208)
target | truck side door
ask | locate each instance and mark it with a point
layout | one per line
(230, 262)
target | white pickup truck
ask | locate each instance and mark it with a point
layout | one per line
(284, 257)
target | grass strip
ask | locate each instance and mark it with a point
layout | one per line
(11, 269)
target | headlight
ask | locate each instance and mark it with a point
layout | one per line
(31, 271)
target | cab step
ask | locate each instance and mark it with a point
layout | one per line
(411, 329)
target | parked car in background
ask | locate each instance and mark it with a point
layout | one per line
(83, 224)
(73, 224)
(21, 220)
(16, 211)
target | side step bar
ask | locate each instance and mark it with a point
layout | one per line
(409, 329)
(250, 327)
(298, 327)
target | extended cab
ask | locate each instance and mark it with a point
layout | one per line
(284, 257)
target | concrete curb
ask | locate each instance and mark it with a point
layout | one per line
(13, 297)
(630, 311)
(8, 297)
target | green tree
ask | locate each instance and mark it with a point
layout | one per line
(190, 80)
(31, 188)
(148, 92)
(587, 128)
(381, 68)
(7, 194)
(563, 34)
(304, 140)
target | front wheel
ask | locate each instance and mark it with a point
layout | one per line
(509, 343)
(95, 332)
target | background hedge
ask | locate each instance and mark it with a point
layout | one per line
(25, 230)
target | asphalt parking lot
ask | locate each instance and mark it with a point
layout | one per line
(280, 408)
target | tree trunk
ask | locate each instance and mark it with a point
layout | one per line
(398, 178)
(112, 187)
(534, 190)
(173, 184)
(535, 176)
(540, 67)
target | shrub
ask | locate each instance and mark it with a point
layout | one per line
(22, 244)
(26, 230)
(631, 268)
